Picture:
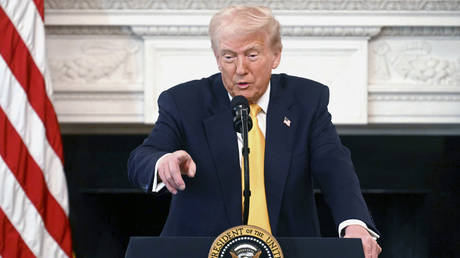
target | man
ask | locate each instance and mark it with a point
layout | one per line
(194, 137)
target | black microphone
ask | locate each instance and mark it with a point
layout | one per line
(240, 103)
(242, 123)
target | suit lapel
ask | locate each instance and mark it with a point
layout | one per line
(278, 147)
(223, 145)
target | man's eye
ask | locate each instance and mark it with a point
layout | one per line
(253, 56)
(228, 58)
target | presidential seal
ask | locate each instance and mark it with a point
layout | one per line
(245, 241)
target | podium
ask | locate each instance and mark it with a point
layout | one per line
(187, 247)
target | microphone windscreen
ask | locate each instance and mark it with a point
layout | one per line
(238, 104)
(239, 101)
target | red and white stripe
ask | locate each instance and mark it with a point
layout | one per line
(33, 192)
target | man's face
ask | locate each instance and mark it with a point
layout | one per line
(246, 63)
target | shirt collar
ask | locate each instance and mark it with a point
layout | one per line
(263, 100)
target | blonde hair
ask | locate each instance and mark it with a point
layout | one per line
(244, 20)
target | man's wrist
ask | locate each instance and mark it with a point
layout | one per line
(157, 185)
(349, 222)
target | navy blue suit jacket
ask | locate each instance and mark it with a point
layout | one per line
(196, 117)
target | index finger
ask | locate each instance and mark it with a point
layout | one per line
(191, 169)
(176, 176)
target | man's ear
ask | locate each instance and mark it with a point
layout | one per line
(217, 59)
(277, 58)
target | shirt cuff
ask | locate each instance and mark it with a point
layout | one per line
(349, 222)
(156, 187)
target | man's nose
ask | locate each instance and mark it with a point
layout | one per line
(241, 65)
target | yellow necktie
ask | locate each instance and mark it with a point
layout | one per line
(258, 213)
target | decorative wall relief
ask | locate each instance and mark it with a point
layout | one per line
(93, 61)
(414, 78)
(427, 62)
(98, 78)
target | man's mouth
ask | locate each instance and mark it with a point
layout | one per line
(242, 85)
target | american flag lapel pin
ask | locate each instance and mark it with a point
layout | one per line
(287, 122)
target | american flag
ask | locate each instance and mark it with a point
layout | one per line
(34, 205)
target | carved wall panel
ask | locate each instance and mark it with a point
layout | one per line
(415, 79)
(424, 62)
(96, 79)
(88, 60)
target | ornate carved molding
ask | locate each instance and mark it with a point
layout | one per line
(115, 96)
(286, 31)
(376, 5)
(170, 30)
(415, 97)
(420, 32)
(292, 31)
(333, 31)
(88, 30)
